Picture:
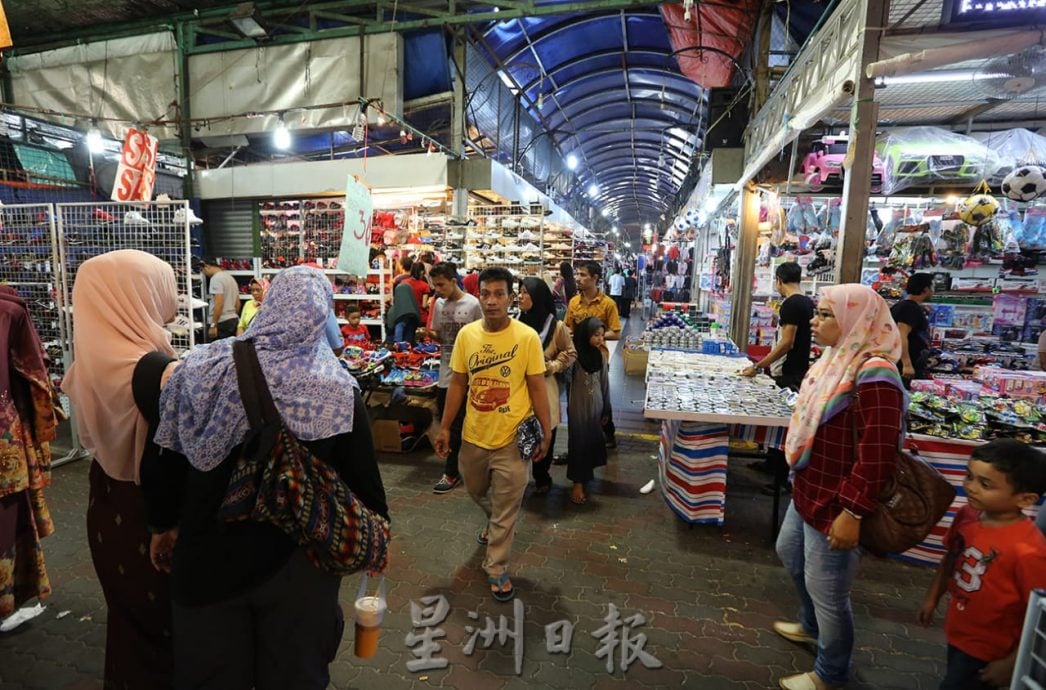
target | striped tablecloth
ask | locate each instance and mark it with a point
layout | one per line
(692, 463)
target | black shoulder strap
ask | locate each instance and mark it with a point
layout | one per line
(254, 390)
(145, 384)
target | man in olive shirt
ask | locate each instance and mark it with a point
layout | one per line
(591, 301)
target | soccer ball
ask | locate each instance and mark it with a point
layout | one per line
(978, 209)
(1025, 183)
(680, 225)
(691, 215)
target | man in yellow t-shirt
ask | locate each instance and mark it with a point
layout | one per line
(499, 364)
(591, 301)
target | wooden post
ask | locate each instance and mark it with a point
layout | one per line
(744, 267)
(864, 116)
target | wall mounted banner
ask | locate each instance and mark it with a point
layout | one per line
(136, 174)
(355, 238)
(5, 30)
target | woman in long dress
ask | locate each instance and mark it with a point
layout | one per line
(122, 301)
(537, 310)
(588, 408)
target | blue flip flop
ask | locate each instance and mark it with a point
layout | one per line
(498, 594)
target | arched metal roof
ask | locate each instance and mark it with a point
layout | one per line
(613, 96)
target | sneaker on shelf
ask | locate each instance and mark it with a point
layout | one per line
(102, 216)
(191, 302)
(527, 235)
(180, 216)
(445, 484)
(181, 325)
(531, 247)
(135, 218)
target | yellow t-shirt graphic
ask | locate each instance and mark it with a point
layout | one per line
(497, 365)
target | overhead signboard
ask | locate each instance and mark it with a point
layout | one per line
(994, 12)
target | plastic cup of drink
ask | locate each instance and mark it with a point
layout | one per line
(369, 613)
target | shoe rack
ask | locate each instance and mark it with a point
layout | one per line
(308, 231)
(86, 230)
(511, 236)
(28, 265)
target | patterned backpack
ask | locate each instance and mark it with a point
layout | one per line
(282, 483)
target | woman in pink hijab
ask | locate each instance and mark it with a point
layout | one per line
(121, 301)
(854, 389)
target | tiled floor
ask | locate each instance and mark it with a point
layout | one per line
(709, 595)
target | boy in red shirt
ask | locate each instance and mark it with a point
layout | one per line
(355, 333)
(996, 556)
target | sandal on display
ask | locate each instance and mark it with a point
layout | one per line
(500, 594)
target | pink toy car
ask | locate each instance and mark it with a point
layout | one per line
(823, 166)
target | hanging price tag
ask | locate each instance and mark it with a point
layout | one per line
(355, 238)
(360, 128)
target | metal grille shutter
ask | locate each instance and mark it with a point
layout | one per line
(228, 229)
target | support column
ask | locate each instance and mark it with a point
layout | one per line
(184, 34)
(744, 267)
(857, 185)
(458, 121)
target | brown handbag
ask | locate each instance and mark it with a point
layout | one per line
(911, 504)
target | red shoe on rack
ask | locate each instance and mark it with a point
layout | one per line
(102, 216)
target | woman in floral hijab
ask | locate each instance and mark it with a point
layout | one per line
(854, 390)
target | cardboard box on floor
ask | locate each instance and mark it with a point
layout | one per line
(635, 360)
(423, 412)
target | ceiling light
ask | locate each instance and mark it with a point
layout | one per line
(381, 119)
(606, 212)
(939, 77)
(94, 140)
(281, 138)
(646, 226)
(245, 19)
(593, 189)
(571, 162)
(628, 245)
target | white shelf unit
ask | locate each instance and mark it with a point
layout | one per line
(382, 298)
(510, 236)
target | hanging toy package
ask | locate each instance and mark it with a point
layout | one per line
(1035, 228)
(923, 254)
(986, 244)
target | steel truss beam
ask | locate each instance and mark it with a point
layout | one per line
(819, 78)
(303, 21)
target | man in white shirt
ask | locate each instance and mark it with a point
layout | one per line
(225, 301)
(454, 308)
(617, 289)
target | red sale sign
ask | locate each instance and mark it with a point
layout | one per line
(137, 172)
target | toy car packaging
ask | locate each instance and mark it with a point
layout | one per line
(921, 156)
(823, 165)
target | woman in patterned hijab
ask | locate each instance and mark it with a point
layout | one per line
(249, 607)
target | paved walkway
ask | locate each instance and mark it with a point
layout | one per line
(708, 595)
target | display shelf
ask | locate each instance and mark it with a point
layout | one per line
(361, 298)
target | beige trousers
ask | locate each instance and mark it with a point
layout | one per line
(496, 480)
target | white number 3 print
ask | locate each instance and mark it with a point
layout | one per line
(968, 578)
